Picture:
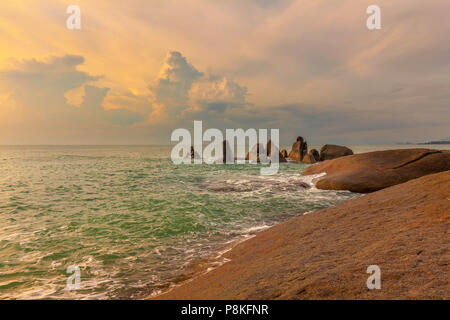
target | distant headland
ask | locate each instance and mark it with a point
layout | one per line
(442, 141)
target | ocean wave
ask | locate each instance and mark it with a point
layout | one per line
(130, 219)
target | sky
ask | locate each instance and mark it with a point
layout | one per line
(139, 69)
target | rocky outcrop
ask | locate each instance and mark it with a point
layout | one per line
(309, 158)
(269, 148)
(253, 154)
(226, 150)
(368, 172)
(315, 154)
(331, 151)
(281, 159)
(194, 154)
(299, 149)
(274, 148)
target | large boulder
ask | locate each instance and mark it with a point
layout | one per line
(281, 158)
(309, 158)
(299, 149)
(315, 154)
(372, 171)
(331, 151)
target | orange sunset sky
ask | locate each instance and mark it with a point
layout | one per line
(139, 69)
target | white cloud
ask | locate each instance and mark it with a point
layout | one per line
(171, 88)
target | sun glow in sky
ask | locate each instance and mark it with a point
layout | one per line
(139, 69)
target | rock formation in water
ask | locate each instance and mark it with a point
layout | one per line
(194, 154)
(274, 148)
(331, 151)
(299, 149)
(315, 154)
(309, 158)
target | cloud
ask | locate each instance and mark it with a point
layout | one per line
(92, 109)
(37, 85)
(315, 56)
(180, 94)
(37, 90)
(171, 88)
(217, 93)
(218, 88)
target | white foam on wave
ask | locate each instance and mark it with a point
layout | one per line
(312, 179)
(257, 185)
(255, 229)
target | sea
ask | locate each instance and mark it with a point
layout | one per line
(131, 222)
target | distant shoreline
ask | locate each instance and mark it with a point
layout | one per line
(425, 143)
(436, 142)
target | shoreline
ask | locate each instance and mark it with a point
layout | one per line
(211, 262)
(271, 265)
(202, 266)
(193, 271)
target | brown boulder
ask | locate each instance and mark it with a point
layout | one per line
(372, 171)
(315, 154)
(281, 158)
(299, 149)
(309, 158)
(331, 151)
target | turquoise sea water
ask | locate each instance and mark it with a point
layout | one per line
(129, 218)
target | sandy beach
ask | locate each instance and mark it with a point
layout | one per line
(404, 229)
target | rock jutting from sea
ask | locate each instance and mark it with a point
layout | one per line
(299, 152)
